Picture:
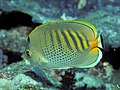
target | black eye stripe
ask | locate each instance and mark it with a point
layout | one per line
(28, 39)
(27, 52)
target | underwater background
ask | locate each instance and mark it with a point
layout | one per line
(19, 17)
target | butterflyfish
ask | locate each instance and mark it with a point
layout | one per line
(63, 45)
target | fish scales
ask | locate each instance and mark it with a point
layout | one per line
(64, 44)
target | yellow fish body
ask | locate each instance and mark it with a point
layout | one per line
(64, 44)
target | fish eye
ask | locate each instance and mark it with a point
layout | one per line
(28, 53)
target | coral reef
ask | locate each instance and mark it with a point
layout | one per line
(40, 9)
(99, 77)
(19, 75)
(86, 79)
(107, 24)
(7, 85)
(13, 75)
(81, 4)
(19, 82)
(14, 39)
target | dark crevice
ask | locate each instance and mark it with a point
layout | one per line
(68, 80)
(12, 56)
(13, 19)
(112, 55)
(38, 78)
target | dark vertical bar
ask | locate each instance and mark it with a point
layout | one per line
(74, 40)
(58, 39)
(81, 41)
(66, 40)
